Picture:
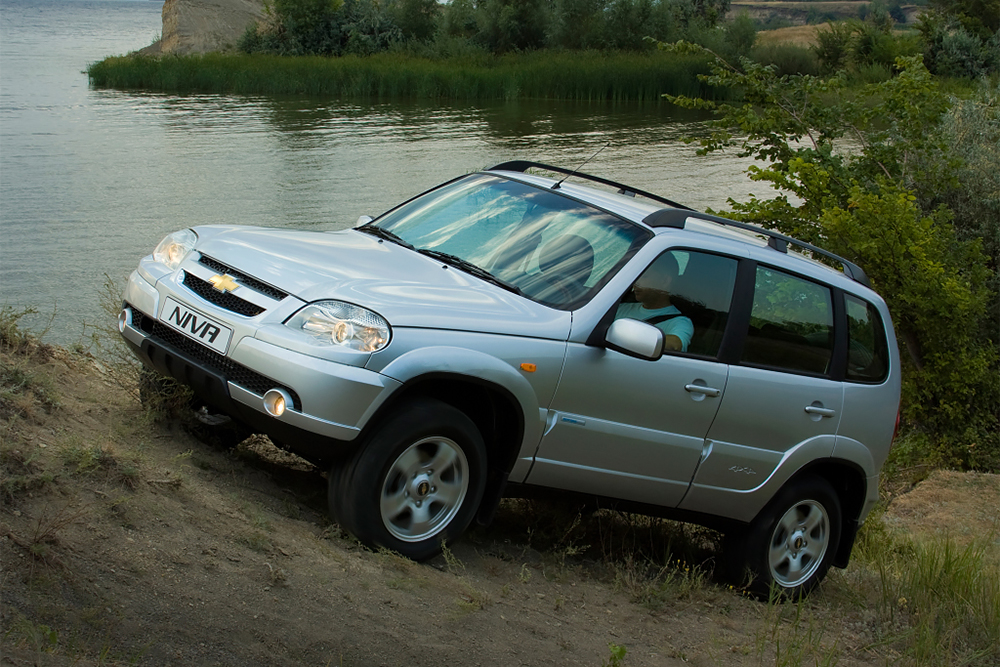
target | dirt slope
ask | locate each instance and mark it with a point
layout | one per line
(128, 541)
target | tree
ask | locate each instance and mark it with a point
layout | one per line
(416, 19)
(877, 204)
(577, 24)
(309, 26)
(979, 17)
(512, 25)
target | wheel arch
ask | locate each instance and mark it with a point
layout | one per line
(494, 410)
(850, 483)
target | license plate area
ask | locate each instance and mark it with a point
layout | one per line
(196, 325)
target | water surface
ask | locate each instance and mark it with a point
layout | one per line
(91, 180)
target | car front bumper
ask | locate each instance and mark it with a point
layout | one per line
(331, 400)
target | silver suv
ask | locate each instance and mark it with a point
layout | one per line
(508, 332)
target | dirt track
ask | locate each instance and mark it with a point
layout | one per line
(129, 541)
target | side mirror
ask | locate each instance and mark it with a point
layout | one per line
(636, 339)
(364, 220)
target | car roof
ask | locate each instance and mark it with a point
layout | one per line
(650, 212)
(630, 208)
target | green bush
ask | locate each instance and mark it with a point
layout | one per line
(872, 202)
(787, 59)
(741, 35)
(962, 54)
(834, 46)
(511, 25)
(866, 48)
(958, 40)
(417, 19)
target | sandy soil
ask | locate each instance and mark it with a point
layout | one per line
(129, 541)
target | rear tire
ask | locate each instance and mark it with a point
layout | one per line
(416, 481)
(789, 547)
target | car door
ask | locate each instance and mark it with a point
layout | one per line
(631, 428)
(780, 396)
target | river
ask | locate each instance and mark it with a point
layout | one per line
(91, 180)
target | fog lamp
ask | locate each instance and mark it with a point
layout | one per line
(124, 319)
(276, 401)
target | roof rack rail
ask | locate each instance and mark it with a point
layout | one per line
(524, 165)
(677, 215)
(671, 217)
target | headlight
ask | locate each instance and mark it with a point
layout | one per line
(173, 249)
(344, 324)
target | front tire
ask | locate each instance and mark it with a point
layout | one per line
(789, 547)
(416, 482)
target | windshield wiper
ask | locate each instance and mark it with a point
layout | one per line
(383, 234)
(469, 267)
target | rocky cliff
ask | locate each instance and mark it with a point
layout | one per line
(200, 26)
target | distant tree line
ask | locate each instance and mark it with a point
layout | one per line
(426, 27)
(959, 38)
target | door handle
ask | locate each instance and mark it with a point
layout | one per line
(702, 389)
(821, 411)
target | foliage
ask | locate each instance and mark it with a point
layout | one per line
(628, 22)
(979, 17)
(617, 657)
(326, 27)
(741, 35)
(960, 40)
(861, 175)
(787, 58)
(338, 27)
(896, 11)
(311, 26)
(369, 29)
(971, 129)
(511, 25)
(833, 46)
(417, 19)
(12, 335)
(861, 46)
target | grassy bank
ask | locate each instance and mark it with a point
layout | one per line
(539, 75)
(238, 563)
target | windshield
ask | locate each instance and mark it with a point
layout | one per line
(548, 247)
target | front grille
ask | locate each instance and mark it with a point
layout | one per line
(243, 278)
(225, 300)
(232, 371)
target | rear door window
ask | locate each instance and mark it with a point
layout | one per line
(791, 324)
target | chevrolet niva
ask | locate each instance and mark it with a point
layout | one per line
(508, 332)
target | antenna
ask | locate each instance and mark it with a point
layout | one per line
(556, 186)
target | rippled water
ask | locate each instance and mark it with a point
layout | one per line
(90, 180)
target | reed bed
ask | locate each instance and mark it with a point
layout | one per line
(539, 75)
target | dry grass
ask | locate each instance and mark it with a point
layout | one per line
(796, 35)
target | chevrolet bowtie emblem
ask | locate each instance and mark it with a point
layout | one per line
(223, 283)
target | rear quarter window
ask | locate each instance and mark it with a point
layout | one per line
(868, 350)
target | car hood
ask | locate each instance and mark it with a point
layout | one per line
(408, 289)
